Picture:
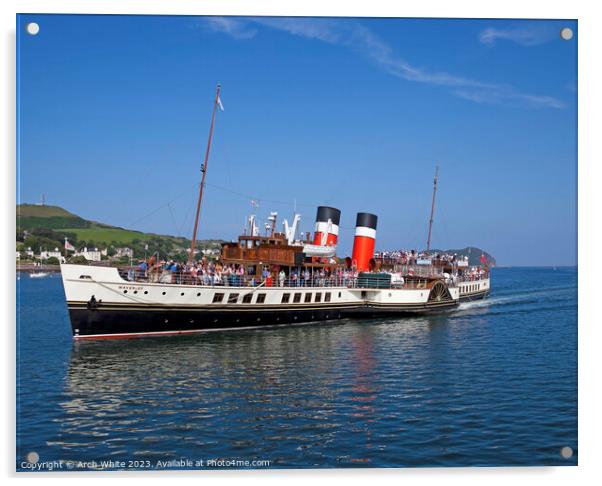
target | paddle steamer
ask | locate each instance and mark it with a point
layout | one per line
(274, 279)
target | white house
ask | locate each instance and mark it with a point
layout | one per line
(92, 255)
(45, 255)
(124, 252)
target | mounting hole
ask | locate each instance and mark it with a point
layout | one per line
(566, 34)
(32, 28)
(566, 452)
(33, 457)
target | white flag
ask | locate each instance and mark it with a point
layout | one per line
(219, 102)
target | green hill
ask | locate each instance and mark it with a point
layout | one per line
(47, 226)
(31, 216)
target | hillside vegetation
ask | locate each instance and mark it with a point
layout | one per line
(47, 226)
(31, 216)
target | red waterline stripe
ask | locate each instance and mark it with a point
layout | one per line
(129, 335)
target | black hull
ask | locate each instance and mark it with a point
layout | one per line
(474, 296)
(127, 321)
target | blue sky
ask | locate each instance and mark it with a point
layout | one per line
(114, 114)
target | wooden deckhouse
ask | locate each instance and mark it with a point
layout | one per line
(273, 252)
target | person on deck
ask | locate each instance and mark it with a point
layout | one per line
(142, 267)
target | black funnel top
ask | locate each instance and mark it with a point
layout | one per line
(366, 220)
(326, 213)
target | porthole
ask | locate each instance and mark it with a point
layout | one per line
(125, 291)
(166, 321)
(198, 294)
(135, 291)
(145, 292)
(182, 294)
(162, 293)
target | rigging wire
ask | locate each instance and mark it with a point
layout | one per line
(160, 207)
(189, 190)
(257, 198)
(173, 219)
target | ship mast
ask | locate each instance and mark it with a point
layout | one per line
(428, 241)
(204, 171)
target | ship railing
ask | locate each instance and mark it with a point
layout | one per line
(185, 278)
(471, 277)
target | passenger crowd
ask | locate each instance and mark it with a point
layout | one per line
(212, 273)
(216, 273)
(411, 257)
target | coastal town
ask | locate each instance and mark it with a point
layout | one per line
(111, 254)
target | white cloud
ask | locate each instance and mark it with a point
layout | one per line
(230, 26)
(526, 35)
(357, 37)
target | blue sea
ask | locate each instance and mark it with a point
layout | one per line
(493, 383)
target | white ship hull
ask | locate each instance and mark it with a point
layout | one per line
(102, 304)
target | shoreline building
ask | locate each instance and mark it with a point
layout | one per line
(92, 255)
(46, 254)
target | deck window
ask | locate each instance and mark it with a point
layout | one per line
(260, 299)
(318, 297)
(308, 297)
(286, 298)
(217, 298)
(297, 298)
(327, 297)
(232, 298)
(246, 299)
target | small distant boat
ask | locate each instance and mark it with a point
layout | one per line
(39, 274)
